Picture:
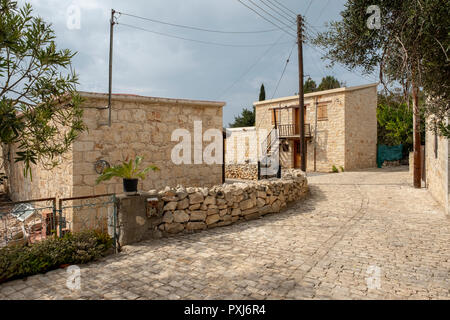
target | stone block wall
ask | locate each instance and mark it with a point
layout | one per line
(140, 126)
(241, 171)
(193, 209)
(43, 183)
(330, 139)
(241, 145)
(361, 128)
(436, 166)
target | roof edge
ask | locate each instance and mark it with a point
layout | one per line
(318, 93)
(144, 99)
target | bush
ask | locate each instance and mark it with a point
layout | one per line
(334, 169)
(24, 260)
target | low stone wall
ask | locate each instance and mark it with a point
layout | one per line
(241, 171)
(191, 209)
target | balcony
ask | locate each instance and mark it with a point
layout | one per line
(291, 131)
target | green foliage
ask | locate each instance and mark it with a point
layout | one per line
(309, 86)
(395, 122)
(39, 107)
(126, 170)
(334, 169)
(410, 50)
(246, 119)
(262, 93)
(328, 83)
(342, 168)
(24, 260)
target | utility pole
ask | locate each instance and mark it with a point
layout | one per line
(417, 172)
(111, 37)
(300, 93)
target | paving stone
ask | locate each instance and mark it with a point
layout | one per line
(355, 228)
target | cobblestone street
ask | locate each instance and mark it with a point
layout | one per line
(354, 227)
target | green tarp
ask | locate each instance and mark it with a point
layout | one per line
(389, 153)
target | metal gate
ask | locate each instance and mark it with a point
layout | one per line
(33, 220)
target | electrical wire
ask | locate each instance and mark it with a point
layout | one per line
(272, 15)
(271, 22)
(251, 67)
(284, 70)
(318, 50)
(306, 11)
(285, 7)
(276, 10)
(294, 16)
(323, 9)
(278, 84)
(197, 28)
(195, 40)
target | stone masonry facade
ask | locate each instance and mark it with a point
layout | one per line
(436, 166)
(346, 131)
(188, 209)
(139, 126)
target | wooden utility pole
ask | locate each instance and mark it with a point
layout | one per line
(111, 37)
(300, 93)
(417, 172)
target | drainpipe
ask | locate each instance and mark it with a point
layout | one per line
(315, 134)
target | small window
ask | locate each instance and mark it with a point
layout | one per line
(322, 112)
(278, 115)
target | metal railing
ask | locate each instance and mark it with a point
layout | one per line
(292, 130)
(33, 220)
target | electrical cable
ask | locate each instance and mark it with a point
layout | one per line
(271, 22)
(197, 28)
(195, 40)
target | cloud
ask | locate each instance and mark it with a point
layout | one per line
(149, 64)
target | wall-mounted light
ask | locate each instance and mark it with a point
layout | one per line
(101, 165)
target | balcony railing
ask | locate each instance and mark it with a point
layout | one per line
(292, 130)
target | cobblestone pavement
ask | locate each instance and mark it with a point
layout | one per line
(354, 227)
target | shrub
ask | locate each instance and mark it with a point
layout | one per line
(342, 168)
(24, 260)
(334, 169)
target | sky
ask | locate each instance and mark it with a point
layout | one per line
(154, 65)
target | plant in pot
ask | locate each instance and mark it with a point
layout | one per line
(130, 172)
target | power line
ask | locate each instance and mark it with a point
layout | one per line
(310, 2)
(266, 18)
(278, 84)
(285, 7)
(196, 28)
(323, 9)
(284, 70)
(340, 65)
(195, 40)
(282, 14)
(251, 67)
(271, 15)
(283, 10)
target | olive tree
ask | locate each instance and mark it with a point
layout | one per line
(40, 111)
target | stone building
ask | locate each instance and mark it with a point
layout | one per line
(340, 128)
(139, 126)
(437, 178)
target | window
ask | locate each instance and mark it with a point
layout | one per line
(322, 112)
(278, 114)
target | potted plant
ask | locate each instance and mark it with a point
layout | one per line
(130, 173)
